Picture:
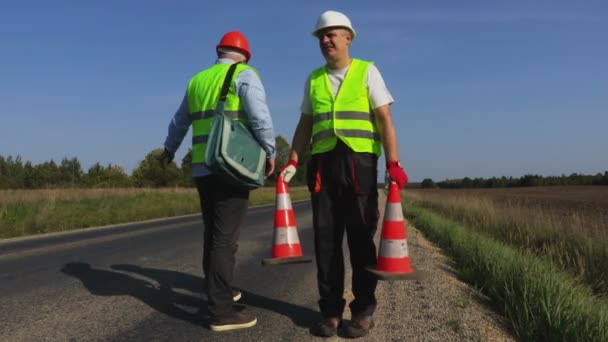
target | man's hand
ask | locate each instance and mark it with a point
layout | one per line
(289, 170)
(164, 158)
(269, 167)
(397, 174)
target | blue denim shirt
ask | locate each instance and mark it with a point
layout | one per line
(251, 91)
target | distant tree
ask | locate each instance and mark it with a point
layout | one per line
(95, 176)
(70, 172)
(11, 173)
(117, 177)
(47, 174)
(18, 173)
(29, 180)
(150, 172)
(427, 183)
(282, 150)
(526, 180)
(3, 175)
(112, 176)
(530, 180)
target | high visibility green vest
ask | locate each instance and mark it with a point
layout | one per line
(203, 95)
(347, 116)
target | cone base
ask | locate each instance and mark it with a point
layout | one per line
(414, 275)
(288, 260)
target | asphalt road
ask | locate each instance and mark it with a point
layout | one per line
(143, 282)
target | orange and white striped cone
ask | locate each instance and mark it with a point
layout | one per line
(286, 248)
(393, 256)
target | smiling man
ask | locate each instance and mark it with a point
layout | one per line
(346, 120)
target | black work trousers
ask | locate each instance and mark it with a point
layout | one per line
(344, 195)
(224, 208)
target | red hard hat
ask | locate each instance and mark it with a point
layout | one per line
(235, 40)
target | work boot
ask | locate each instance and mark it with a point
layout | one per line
(326, 327)
(358, 326)
(232, 321)
(236, 295)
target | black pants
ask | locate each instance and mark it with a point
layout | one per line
(345, 198)
(224, 208)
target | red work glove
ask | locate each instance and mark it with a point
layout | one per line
(289, 170)
(396, 173)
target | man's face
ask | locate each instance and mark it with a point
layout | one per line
(334, 42)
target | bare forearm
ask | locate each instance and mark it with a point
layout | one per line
(301, 137)
(387, 132)
(389, 140)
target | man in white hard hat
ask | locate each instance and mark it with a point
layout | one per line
(345, 120)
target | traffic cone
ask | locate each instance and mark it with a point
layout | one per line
(286, 247)
(393, 256)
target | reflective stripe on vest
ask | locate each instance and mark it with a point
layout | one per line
(203, 95)
(346, 116)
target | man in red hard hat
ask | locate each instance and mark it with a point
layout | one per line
(232, 41)
(346, 121)
(223, 205)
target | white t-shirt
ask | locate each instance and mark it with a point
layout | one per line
(378, 94)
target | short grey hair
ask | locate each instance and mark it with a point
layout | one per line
(228, 51)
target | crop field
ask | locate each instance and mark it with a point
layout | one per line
(586, 200)
(567, 224)
(540, 253)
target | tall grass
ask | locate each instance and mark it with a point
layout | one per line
(542, 302)
(75, 194)
(574, 240)
(30, 212)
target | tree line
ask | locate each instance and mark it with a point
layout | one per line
(525, 181)
(69, 173)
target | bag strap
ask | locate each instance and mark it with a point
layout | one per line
(227, 81)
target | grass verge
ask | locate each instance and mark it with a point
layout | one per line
(542, 302)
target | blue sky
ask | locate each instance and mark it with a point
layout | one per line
(481, 88)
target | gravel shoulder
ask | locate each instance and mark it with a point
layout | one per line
(438, 308)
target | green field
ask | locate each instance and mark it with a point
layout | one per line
(31, 212)
(540, 254)
(566, 225)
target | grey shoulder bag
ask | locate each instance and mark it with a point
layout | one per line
(233, 153)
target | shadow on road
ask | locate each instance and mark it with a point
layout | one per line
(159, 292)
(161, 298)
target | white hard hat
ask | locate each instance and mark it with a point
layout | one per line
(333, 19)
